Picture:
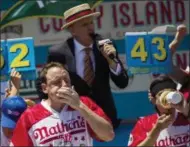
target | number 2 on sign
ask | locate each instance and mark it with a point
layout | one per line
(142, 54)
(18, 61)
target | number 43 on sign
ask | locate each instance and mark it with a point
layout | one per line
(19, 54)
(147, 53)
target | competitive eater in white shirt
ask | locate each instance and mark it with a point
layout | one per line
(64, 118)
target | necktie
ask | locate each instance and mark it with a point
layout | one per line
(88, 67)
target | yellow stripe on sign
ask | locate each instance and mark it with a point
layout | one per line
(8, 11)
(97, 4)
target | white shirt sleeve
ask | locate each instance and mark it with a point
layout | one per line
(118, 70)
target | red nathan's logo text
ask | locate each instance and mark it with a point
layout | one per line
(181, 139)
(71, 127)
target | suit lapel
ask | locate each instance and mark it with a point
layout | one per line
(70, 55)
(100, 61)
(97, 57)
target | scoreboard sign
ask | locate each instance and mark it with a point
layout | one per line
(148, 53)
(19, 54)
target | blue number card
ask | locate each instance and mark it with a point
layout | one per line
(19, 54)
(150, 53)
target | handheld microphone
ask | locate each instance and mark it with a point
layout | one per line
(97, 38)
(100, 42)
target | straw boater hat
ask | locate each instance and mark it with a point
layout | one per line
(77, 13)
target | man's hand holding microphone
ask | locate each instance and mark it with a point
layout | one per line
(107, 49)
(109, 52)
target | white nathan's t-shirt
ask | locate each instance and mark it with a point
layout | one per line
(177, 134)
(42, 126)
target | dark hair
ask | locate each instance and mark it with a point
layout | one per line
(186, 82)
(160, 83)
(46, 68)
(39, 91)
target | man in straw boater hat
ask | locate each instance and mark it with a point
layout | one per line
(90, 68)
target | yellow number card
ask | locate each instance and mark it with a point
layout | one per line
(19, 54)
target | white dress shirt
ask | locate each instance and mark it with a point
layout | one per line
(79, 57)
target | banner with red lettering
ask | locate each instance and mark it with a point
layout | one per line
(116, 19)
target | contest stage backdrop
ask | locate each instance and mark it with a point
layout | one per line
(117, 17)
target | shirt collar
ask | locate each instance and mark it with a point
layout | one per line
(79, 47)
(54, 112)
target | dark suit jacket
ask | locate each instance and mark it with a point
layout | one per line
(100, 91)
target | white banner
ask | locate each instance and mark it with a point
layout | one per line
(116, 19)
